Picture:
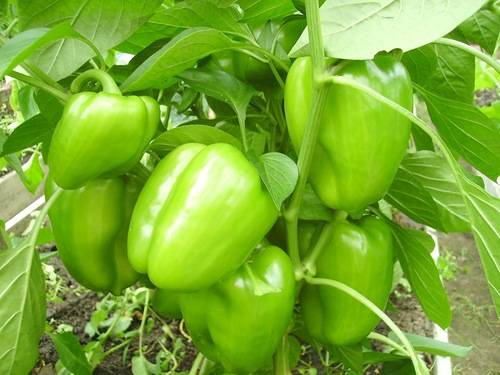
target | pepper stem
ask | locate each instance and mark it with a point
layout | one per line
(106, 81)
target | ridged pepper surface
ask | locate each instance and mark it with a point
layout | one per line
(90, 227)
(360, 255)
(200, 214)
(239, 321)
(361, 142)
(100, 134)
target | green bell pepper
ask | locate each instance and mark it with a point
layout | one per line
(100, 134)
(90, 228)
(200, 214)
(167, 303)
(361, 142)
(359, 254)
(240, 320)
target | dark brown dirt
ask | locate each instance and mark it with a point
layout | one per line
(76, 310)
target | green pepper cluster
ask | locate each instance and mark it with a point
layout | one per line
(197, 227)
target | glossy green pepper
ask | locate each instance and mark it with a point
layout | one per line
(90, 228)
(100, 134)
(361, 142)
(167, 303)
(240, 320)
(199, 216)
(360, 255)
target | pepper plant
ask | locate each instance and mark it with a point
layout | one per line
(246, 160)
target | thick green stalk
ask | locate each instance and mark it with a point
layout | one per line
(40, 84)
(306, 153)
(320, 92)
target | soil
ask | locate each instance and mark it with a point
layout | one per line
(77, 306)
(474, 320)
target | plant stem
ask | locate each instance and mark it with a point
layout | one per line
(241, 122)
(388, 341)
(196, 364)
(143, 322)
(324, 237)
(10, 27)
(281, 366)
(41, 85)
(5, 236)
(315, 37)
(107, 83)
(306, 153)
(36, 72)
(116, 347)
(377, 311)
(320, 92)
(254, 52)
(473, 51)
(41, 216)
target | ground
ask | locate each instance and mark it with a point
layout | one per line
(474, 320)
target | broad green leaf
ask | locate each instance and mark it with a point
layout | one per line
(482, 28)
(224, 87)
(33, 172)
(15, 163)
(445, 71)
(29, 133)
(258, 11)
(145, 35)
(357, 31)
(432, 346)
(351, 356)
(180, 135)
(179, 54)
(27, 105)
(71, 353)
(433, 173)
(421, 139)
(105, 23)
(140, 366)
(467, 131)
(454, 75)
(23, 45)
(195, 13)
(311, 207)
(421, 63)
(22, 309)
(36, 129)
(279, 174)
(256, 141)
(485, 221)
(413, 250)
(409, 196)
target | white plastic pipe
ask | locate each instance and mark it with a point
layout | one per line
(23, 214)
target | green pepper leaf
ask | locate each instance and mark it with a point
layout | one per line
(279, 174)
(71, 353)
(204, 134)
